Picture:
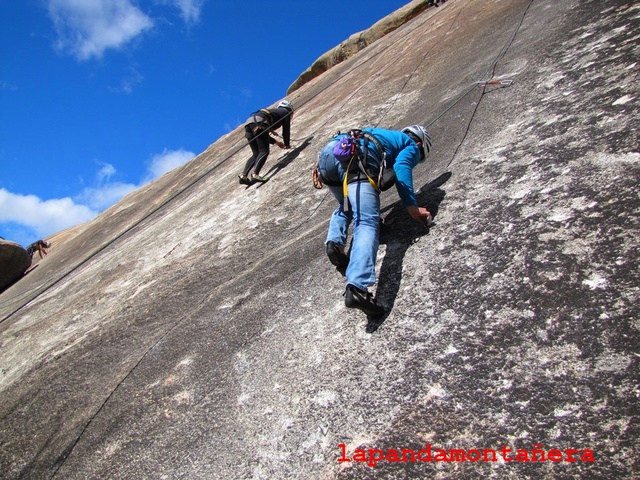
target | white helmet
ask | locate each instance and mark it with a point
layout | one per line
(422, 138)
(286, 104)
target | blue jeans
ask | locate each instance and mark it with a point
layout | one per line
(364, 213)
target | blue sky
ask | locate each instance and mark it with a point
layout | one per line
(99, 97)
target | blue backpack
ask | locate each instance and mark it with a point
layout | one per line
(353, 151)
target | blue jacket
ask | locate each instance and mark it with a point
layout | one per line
(403, 154)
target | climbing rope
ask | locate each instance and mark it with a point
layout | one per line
(490, 73)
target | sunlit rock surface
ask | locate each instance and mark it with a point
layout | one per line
(196, 329)
(358, 41)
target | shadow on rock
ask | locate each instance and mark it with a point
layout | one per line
(398, 232)
(290, 156)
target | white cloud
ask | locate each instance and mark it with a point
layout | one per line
(108, 192)
(89, 27)
(104, 196)
(7, 86)
(44, 217)
(37, 218)
(106, 172)
(189, 9)
(129, 82)
(167, 161)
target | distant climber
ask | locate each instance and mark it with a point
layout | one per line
(402, 151)
(39, 246)
(434, 3)
(257, 130)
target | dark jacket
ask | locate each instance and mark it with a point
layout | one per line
(272, 119)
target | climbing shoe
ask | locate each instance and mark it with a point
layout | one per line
(337, 256)
(363, 300)
(259, 179)
(243, 180)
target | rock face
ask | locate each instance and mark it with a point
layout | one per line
(14, 261)
(358, 41)
(196, 329)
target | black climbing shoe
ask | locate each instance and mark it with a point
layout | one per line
(337, 256)
(363, 300)
(243, 180)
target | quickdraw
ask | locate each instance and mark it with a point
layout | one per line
(503, 83)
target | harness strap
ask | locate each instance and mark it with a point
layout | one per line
(365, 154)
(383, 154)
(261, 117)
(268, 114)
(360, 155)
(345, 187)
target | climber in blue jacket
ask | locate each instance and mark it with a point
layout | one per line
(402, 151)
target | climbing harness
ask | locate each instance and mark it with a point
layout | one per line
(354, 147)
